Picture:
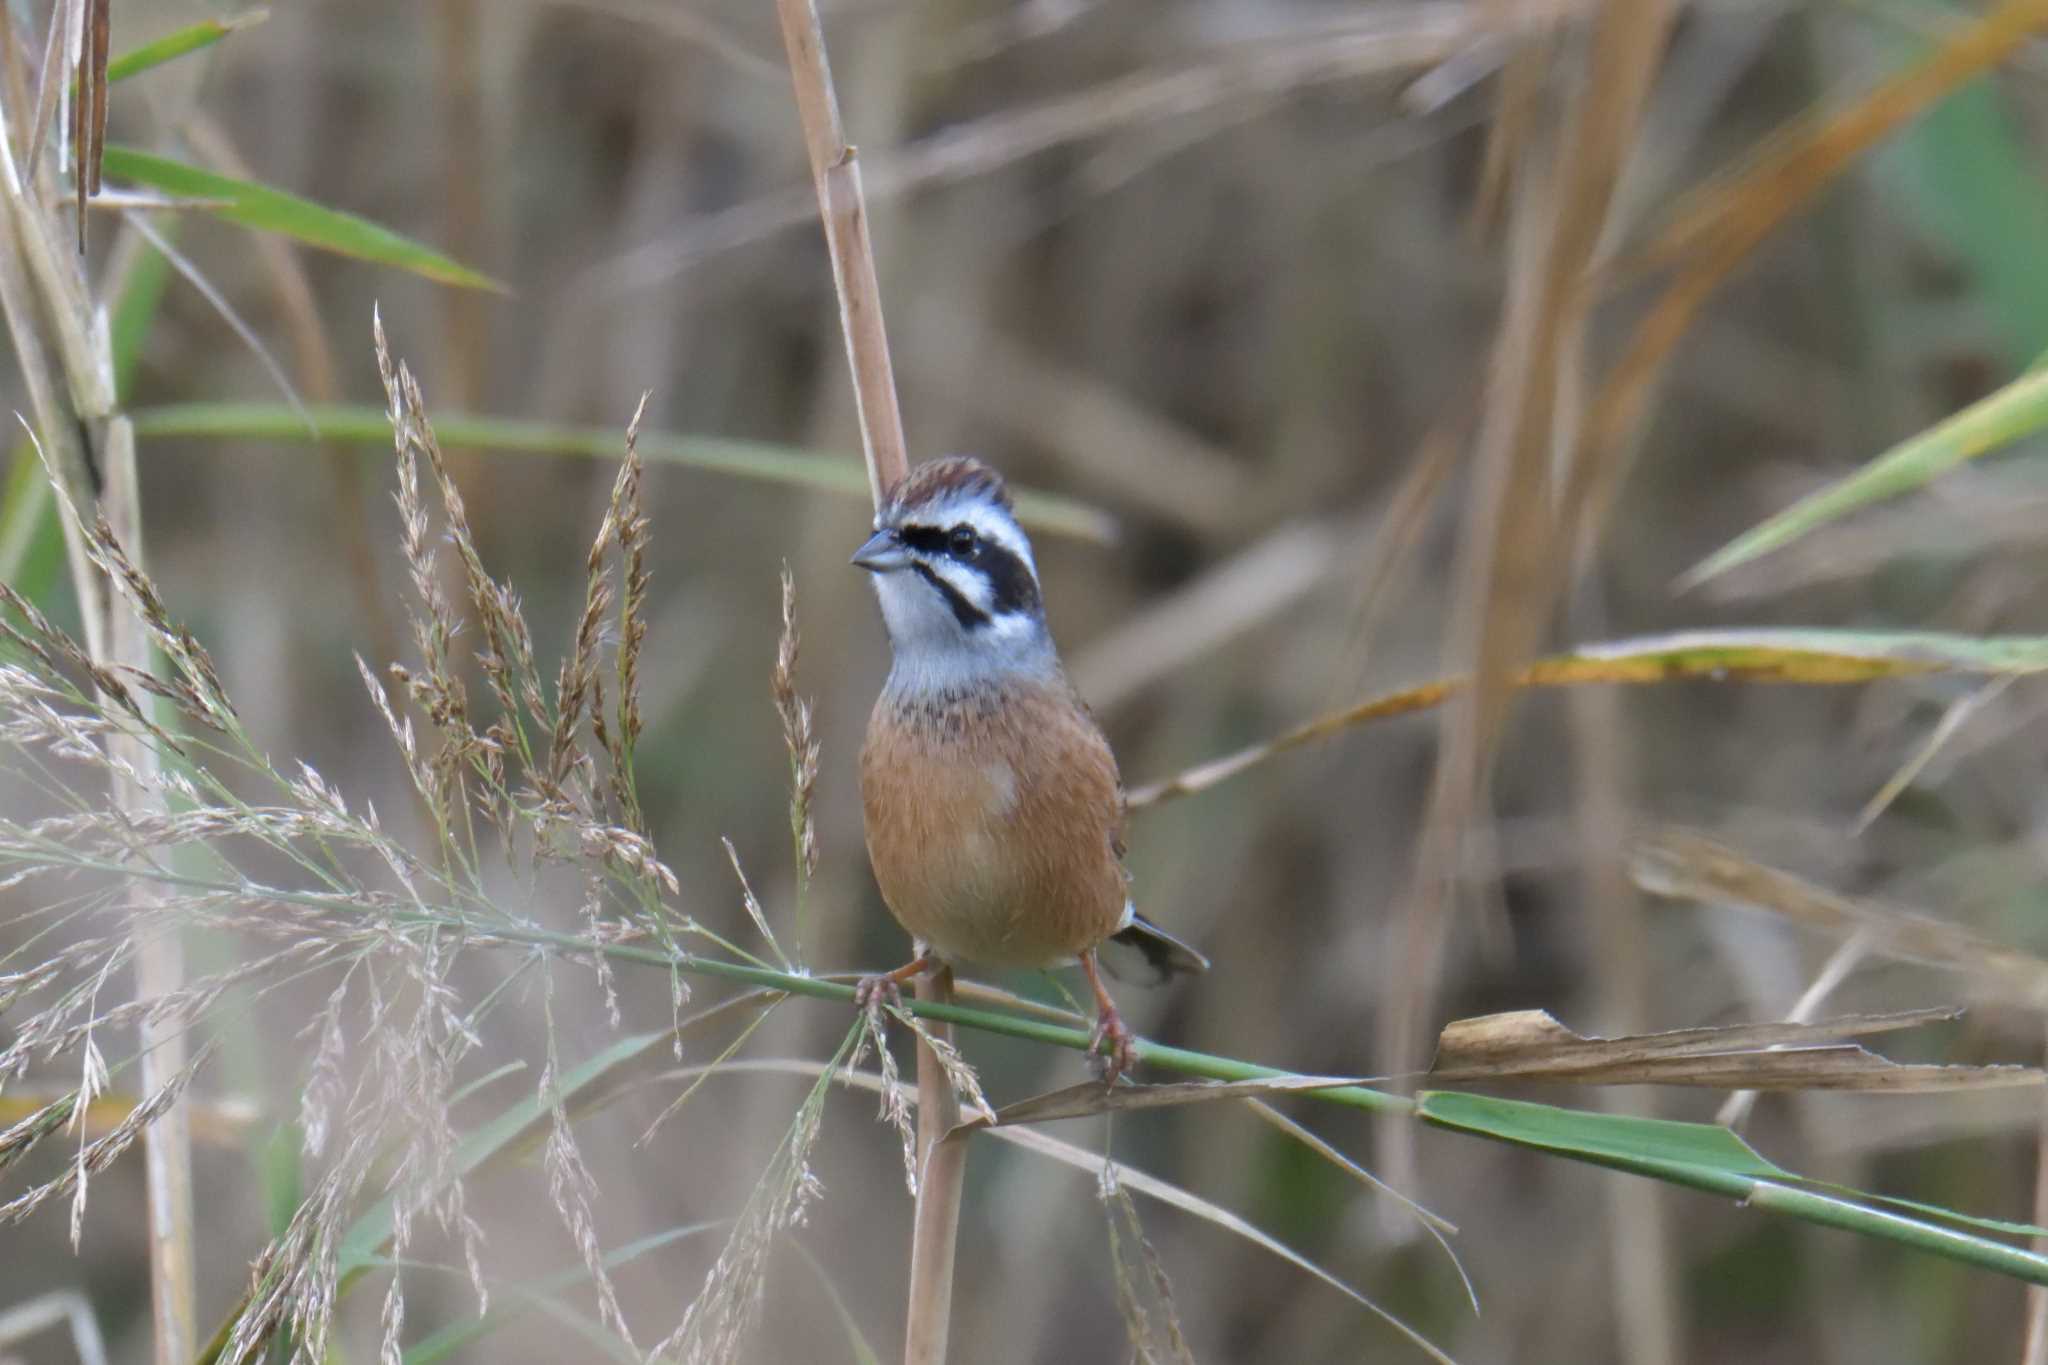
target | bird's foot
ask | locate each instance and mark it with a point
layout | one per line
(1115, 1041)
(887, 988)
(871, 991)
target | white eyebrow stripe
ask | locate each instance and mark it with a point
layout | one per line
(990, 523)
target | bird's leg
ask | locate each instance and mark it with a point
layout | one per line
(1112, 1035)
(888, 987)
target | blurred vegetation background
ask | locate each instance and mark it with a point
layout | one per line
(1233, 274)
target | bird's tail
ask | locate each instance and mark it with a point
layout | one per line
(1164, 954)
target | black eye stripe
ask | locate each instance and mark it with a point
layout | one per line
(965, 612)
(927, 539)
(1011, 586)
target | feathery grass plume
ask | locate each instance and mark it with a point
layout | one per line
(628, 519)
(966, 1085)
(725, 1312)
(802, 741)
(895, 1099)
(98, 1154)
(380, 1119)
(1139, 1274)
(571, 1187)
(753, 905)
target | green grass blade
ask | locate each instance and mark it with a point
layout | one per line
(1708, 1157)
(1997, 420)
(135, 312)
(1966, 173)
(31, 541)
(268, 210)
(1653, 1145)
(172, 46)
(746, 459)
(283, 1177)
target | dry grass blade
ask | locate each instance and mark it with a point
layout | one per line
(1779, 656)
(1092, 1097)
(1031, 1140)
(1241, 594)
(1439, 1228)
(1953, 719)
(1379, 42)
(1681, 864)
(49, 89)
(89, 138)
(1724, 219)
(1513, 550)
(1708, 241)
(219, 303)
(1531, 1045)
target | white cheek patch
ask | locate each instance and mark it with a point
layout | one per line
(970, 583)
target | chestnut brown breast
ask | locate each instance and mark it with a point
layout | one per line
(992, 823)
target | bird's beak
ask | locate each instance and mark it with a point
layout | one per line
(883, 553)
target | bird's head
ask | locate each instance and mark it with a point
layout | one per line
(957, 583)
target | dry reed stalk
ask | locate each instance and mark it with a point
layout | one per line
(90, 453)
(835, 172)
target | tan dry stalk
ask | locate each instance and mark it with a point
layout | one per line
(159, 954)
(835, 173)
(117, 640)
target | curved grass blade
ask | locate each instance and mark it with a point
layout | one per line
(747, 459)
(172, 46)
(1706, 1156)
(2013, 413)
(268, 210)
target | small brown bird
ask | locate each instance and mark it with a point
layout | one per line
(993, 808)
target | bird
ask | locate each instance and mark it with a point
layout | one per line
(992, 805)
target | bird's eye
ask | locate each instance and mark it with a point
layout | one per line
(963, 543)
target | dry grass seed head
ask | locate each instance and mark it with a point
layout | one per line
(97, 1155)
(895, 1107)
(1140, 1275)
(722, 1316)
(797, 734)
(628, 516)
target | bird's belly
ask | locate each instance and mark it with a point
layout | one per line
(983, 872)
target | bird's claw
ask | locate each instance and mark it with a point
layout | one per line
(1116, 1043)
(871, 992)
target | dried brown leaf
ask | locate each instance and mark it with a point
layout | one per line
(1531, 1045)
